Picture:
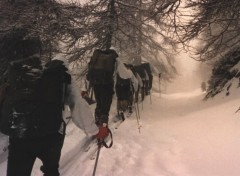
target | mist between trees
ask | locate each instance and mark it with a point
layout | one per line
(151, 31)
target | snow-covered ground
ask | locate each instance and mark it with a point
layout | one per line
(180, 135)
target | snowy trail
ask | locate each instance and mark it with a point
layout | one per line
(181, 135)
(155, 151)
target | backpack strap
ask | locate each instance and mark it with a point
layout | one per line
(66, 82)
(3, 90)
(115, 68)
(105, 144)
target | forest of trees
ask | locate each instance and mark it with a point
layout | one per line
(140, 31)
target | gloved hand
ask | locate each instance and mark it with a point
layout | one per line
(103, 132)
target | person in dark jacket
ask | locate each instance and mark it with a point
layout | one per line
(100, 76)
(125, 89)
(103, 67)
(27, 140)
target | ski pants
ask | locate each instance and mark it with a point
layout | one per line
(23, 153)
(103, 95)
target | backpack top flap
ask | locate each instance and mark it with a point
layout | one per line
(23, 79)
(123, 82)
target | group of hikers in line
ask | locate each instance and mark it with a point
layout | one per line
(129, 87)
(34, 94)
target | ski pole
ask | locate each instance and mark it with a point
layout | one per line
(137, 117)
(96, 161)
(68, 120)
(135, 100)
(159, 80)
(150, 97)
(100, 144)
(138, 110)
(238, 110)
(136, 105)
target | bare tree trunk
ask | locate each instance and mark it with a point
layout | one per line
(139, 35)
(111, 24)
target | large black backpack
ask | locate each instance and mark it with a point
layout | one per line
(123, 88)
(101, 67)
(20, 103)
(34, 100)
